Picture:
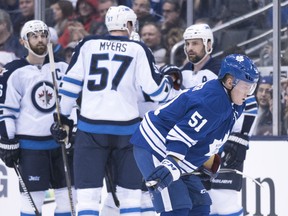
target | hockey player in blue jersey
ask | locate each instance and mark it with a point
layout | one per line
(201, 68)
(184, 136)
(108, 71)
(27, 104)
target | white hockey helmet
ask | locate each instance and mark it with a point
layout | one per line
(118, 16)
(34, 26)
(202, 31)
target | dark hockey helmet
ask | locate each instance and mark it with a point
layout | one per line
(241, 68)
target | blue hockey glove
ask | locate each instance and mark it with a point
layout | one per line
(208, 174)
(234, 152)
(9, 151)
(61, 133)
(163, 175)
(175, 73)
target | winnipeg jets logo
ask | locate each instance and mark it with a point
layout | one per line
(239, 58)
(43, 96)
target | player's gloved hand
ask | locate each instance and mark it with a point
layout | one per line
(175, 73)
(9, 151)
(163, 175)
(61, 133)
(234, 151)
(211, 172)
(70, 145)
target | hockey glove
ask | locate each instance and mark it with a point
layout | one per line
(61, 132)
(70, 145)
(9, 151)
(175, 73)
(211, 172)
(234, 152)
(163, 175)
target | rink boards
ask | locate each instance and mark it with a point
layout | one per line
(266, 162)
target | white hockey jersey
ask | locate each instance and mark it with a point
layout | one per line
(27, 99)
(106, 71)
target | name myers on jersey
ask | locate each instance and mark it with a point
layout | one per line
(114, 46)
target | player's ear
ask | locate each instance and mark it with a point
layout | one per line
(229, 81)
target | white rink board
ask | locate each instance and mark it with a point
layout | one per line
(266, 160)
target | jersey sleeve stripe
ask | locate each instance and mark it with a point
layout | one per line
(10, 108)
(177, 134)
(160, 89)
(68, 94)
(74, 81)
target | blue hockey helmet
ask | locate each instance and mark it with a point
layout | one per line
(241, 68)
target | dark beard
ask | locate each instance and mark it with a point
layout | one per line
(195, 60)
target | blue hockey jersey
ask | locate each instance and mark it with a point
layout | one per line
(192, 127)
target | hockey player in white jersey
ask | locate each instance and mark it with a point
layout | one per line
(27, 104)
(201, 68)
(107, 70)
(198, 47)
(176, 139)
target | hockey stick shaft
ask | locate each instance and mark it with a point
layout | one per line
(63, 149)
(110, 186)
(223, 170)
(24, 188)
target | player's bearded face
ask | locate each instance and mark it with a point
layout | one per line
(40, 48)
(194, 55)
(38, 43)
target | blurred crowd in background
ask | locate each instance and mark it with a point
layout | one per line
(161, 26)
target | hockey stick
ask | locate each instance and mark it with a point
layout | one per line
(110, 185)
(23, 186)
(223, 170)
(63, 148)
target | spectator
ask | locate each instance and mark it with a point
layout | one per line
(151, 36)
(10, 46)
(62, 11)
(104, 6)
(266, 55)
(69, 50)
(99, 28)
(142, 10)
(156, 9)
(26, 13)
(172, 27)
(80, 25)
(263, 126)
